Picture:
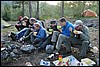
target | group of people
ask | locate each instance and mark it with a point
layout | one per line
(69, 34)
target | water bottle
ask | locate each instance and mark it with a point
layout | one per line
(60, 58)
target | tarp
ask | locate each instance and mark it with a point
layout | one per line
(89, 13)
(4, 23)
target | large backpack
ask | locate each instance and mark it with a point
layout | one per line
(49, 48)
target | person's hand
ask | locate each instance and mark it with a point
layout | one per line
(24, 24)
(60, 30)
(32, 29)
(29, 26)
(18, 24)
(70, 29)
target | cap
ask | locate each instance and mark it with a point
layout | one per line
(25, 17)
(32, 19)
(62, 19)
(53, 21)
(77, 23)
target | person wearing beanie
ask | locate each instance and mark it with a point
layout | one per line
(79, 38)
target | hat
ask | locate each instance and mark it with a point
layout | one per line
(53, 21)
(77, 23)
(32, 19)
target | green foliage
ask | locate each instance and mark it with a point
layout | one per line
(72, 9)
(7, 12)
(15, 13)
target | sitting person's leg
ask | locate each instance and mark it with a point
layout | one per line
(84, 48)
(36, 42)
(61, 39)
(84, 45)
(21, 33)
(18, 35)
(27, 32)
(46, 42)
(55, 37)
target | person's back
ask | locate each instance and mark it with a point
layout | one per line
(85, 30)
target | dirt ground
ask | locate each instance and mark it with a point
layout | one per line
(35, 57)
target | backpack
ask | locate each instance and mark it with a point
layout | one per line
(49, 48)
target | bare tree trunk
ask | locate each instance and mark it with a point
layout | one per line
(30, 9)
(37, 12)
(62, 9)
(97, 11)
(23, 8)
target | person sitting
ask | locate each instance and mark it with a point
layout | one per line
(23, 23)
(18, 25)
(62, 37)
(79, 37)
(38, 38)
(53, 27)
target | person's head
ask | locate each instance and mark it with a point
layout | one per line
(19, 18)
(25, 18)
(36, 26)
(53, 23)
(62, 21)
(32, 20)
(78, 24)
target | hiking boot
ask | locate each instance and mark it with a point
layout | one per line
(13, 36)
(22, 39)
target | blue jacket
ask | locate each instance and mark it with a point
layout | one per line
(65, 29)
(41, 33)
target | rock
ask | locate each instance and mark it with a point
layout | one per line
(9, 35)
(9, 48)
(17, 46)
(28, 64)
(4, 54)
(15, 51)
(3, 48)
(49, 49)
(12, 54)
(27, 48)
(95, 49)
(12, 46)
